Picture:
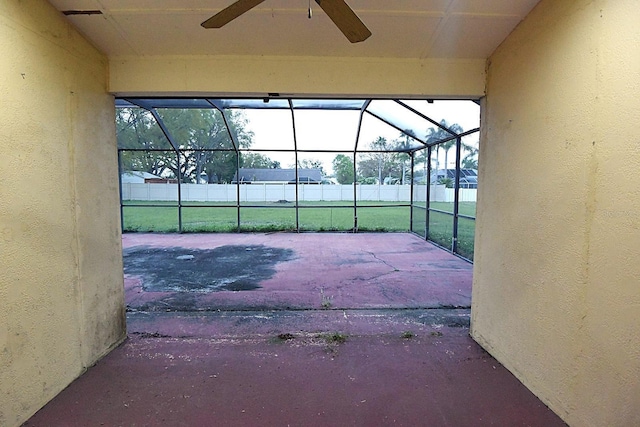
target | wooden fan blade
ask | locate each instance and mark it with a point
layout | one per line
(230, 13)
(345, 19)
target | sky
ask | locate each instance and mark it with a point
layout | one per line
(337, 129)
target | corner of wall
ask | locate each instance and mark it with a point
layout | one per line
(555, 291)
(61, 294)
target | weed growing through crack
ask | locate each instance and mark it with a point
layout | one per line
(436, 334)
(407, 335)
(336, 338)
(325, 301)
(286, 337)
(281, 338)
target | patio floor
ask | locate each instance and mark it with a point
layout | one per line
(295, 329)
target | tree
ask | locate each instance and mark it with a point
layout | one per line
(447, 182)
(137, 129)
(380, 163)
(388, 162)
(403, 145)
(205, 141)
(343, 169)
(421, 156)
(437, 134)
(257, 161)
(200, 134)
(470, 161)
(311, 164)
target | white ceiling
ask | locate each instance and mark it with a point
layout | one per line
(401, 28)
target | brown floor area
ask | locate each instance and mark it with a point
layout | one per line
(275, 356)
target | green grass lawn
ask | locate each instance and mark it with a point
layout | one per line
(312, 216)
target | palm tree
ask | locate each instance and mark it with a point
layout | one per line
(470, 161)
(437, 134)
(403, 145)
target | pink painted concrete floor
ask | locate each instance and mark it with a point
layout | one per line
(390, 348)
(315, 270)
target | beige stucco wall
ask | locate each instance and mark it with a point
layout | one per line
(61, 290)
(343, 77)
(556, 293)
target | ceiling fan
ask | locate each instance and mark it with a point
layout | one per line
(338, 11)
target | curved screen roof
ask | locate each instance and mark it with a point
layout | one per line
(414, 118)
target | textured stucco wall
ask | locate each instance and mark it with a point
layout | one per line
(343, 77)
(61, 290)
(556, 293)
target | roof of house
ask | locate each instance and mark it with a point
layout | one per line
(277, 175)
(140, 174)
(451, 173)
(137, 176)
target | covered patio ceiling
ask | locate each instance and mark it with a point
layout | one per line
(439, 29)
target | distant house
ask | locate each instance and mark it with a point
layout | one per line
(468, 177)
(139, 177)
(277, 176)
(136, 177)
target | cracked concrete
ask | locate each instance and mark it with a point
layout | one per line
(388, 348)
(367, 270)
(312, 368)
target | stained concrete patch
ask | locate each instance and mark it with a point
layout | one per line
(327, 271)
(225, 268)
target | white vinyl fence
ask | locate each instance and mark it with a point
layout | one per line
(276, 192)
